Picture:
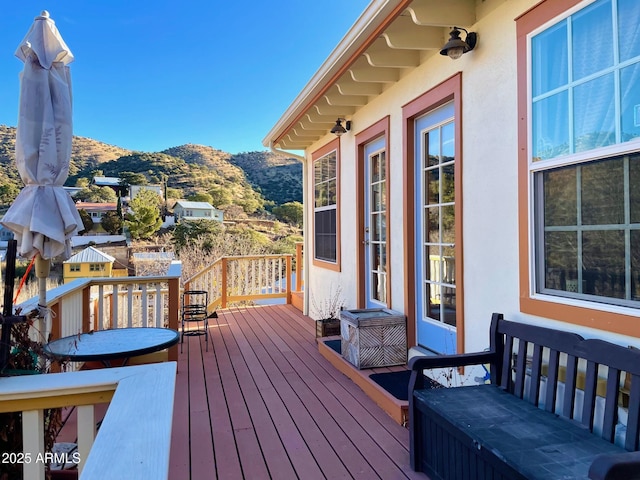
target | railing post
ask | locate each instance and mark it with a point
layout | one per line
(299, 266)
(174, 307)
(33, 443)
(86, 432)
(86, 310)
(224, 282)
(289, 283)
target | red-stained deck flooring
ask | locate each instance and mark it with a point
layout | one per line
(263, 403)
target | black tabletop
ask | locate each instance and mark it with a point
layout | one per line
(111, 344)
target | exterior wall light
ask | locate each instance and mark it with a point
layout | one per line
(455, 47)
(338, 129)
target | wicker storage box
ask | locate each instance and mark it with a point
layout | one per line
(374, 337)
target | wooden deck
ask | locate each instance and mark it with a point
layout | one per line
(263, 403)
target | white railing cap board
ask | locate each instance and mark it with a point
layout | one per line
(135, 437)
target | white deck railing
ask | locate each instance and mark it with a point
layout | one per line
(135, 436)
(245, 278)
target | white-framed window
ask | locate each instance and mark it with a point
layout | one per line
(325, 185)
(96, 267)
(584, 144)
(74, 267)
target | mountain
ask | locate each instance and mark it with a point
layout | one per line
(246, 179)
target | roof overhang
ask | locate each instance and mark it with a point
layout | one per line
(389, 37)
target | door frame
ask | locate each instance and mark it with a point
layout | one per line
(447, 91)
(373, 132)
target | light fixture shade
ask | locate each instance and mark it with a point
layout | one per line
(455, 47)
(338, 129)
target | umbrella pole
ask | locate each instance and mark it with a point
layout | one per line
(43, 267)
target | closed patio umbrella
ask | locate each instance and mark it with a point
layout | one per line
(43, 216)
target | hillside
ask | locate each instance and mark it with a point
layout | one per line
(246, 179)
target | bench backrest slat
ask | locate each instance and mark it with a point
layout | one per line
(570, 386)
(521, 366)
(611, 405)
(590, 385)
(633, 421)
(536, 372)
(552, 381)
(505, 381)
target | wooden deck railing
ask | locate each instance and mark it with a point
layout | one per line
(102, 303)
(247, 278)
(141, 400)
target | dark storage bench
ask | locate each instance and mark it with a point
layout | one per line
(509, 429)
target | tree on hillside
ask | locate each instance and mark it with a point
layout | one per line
(132, 178)
(94, 193)
(220, 196)
(87, 221)
(143, 220)
(8, 193)
(203, 232)
(290, 212)
(201, 197)
(112, 223)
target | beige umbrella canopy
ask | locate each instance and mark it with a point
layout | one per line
(43, 216)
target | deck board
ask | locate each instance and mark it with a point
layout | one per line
(263, 403)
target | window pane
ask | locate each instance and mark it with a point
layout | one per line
(634, 190)
(376, 197)
(603, 263)
(375, 168)
(594, 114)
(603, 193)
(592, 30)
(433, 225)
(551, 127)
(332, 196)
(383, 166)
(635, 265)
(560, 198)
(321, 195)
(448, 184)
(550, 59)
(561, 260)
(432, 185)
(448, 142)
(433, 144)
(434, 264)
(630, 105)
(331, 165)
(448, 224)
(325, 235)
(449, 305)
(628, 31)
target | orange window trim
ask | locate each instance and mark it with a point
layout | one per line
(600, 319)
(450, 89)
(377, 130)
(334, 145)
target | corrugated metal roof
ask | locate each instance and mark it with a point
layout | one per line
(90, 255)
(187, 204)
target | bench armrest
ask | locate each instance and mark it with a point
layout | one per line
(417, 364)
(616, 466)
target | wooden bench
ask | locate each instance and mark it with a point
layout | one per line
(536, 418)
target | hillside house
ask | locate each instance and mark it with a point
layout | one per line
(90, 262)
(114, 183)
(97, 210)
(448, 185)
(185, 210)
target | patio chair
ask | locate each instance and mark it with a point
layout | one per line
(194, 310)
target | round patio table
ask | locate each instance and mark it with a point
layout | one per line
(107, 345)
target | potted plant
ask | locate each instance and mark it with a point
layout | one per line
(327, 313)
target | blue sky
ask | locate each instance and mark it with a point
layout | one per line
(152, 75)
